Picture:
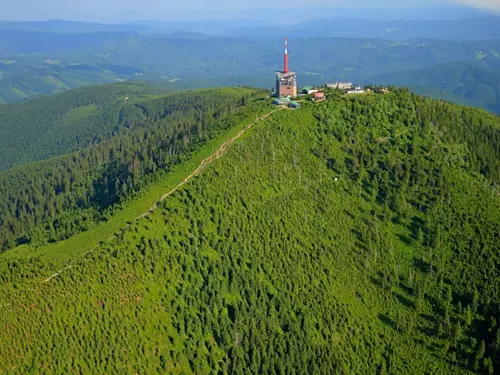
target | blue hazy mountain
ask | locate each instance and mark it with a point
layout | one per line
(53, 56)
(440, 22)
(478, 28)
(285, 15)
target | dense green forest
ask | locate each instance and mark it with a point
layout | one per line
(58, 124)
(54, 199)
(354, 236)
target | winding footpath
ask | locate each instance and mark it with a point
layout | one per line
(206, 162)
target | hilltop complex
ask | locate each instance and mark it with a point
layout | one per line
(286, 81)
(286, 86)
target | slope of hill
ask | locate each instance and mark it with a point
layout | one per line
(358, 235)
(459, 82)
(53, 199)
(53, 125)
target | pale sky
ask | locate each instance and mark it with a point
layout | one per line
(117, 10)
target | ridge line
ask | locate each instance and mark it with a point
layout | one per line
(221, 150)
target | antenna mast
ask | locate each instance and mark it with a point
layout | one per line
(285, 70)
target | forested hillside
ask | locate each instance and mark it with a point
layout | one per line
(355, 236)
(463, 83)
(54, 125)
(54, 199)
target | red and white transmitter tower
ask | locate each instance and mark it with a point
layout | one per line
(286, 56)
(286, 81)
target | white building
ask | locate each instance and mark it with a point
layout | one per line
(357, 90)
(339, 85)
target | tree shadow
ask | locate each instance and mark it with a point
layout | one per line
(349, 164)
(428, 318)
(332, 164)
(407, 240)
(434, 348)
(360, 241)
(402, 284)
(405, 301)
(435, 304)
(367, 190)
(377, 282)
(416, 225)
(422, 265)
(383, 280)
(462, 361)
(349, 214)
(387, 321)
(429, 331)
(358, 235)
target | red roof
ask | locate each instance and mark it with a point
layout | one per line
(319, 95)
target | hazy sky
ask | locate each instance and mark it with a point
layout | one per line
(116, 10)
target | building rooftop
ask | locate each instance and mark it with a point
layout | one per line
(285, 75)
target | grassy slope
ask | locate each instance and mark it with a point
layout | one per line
(79, 113)
(83, 242)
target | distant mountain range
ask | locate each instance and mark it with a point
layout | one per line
(460, 82)
(274, 13)
(370, 12)
(34, 62)
(486, 27)
(449, 23)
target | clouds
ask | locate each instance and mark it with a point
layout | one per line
(488, 4)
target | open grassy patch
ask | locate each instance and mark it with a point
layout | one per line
(79, 113)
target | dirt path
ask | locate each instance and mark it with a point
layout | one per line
(216, 155)
(56, 274)
(206, 162)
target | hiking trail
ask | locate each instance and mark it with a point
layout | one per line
(206, 162)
